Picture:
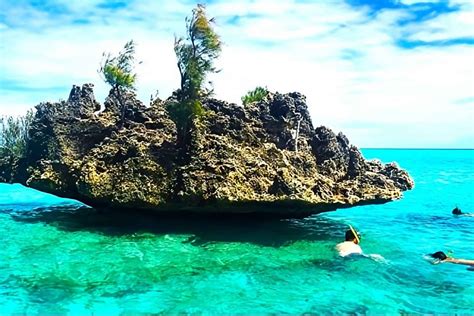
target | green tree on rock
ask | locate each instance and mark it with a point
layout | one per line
(118, 73)
(196, 54)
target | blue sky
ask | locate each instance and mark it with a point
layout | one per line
(386, 73)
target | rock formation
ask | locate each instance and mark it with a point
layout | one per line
(240, 160)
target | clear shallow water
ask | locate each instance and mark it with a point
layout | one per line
(58, 258)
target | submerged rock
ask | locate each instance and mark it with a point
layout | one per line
(240, 159)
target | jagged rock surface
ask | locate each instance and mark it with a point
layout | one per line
(240, 160)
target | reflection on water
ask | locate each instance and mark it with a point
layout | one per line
(262, 231)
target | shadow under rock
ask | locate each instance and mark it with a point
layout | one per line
(203, 229)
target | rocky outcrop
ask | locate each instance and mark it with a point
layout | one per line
(240, 160)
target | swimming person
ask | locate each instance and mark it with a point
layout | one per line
(350, 245)
(457, 211)
(441, 257)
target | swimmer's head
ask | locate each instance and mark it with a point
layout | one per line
(439, 255)
(457, 211)
(351, 236)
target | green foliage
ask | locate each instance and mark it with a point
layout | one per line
(14, 135)
(256, 95)
(117, 77)
(196, 54)
(118, 73)
(181, 112)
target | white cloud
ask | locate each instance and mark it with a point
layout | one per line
(346, 61)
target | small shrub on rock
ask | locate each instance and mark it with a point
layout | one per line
(255, 95)
(14, 135)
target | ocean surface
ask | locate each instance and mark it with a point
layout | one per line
(57, 257)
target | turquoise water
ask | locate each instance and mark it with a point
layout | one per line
(59, 258)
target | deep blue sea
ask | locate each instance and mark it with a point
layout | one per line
(59, 258)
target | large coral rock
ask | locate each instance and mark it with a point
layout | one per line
(264, 158)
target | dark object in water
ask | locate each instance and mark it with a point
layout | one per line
(439, 255)
(352, 235)
(457, 211)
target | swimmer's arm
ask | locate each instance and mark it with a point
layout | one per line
(460, 261)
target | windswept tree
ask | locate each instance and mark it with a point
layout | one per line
(196, 54)
(117, 71)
